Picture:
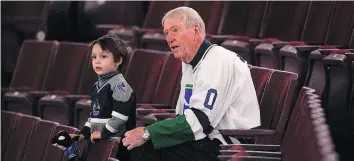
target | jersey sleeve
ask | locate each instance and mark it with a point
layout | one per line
(122, 102)
(209, 96)
(86, 130)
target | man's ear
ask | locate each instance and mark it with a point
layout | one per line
(196, 29)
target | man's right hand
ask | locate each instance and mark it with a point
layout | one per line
(81, 137)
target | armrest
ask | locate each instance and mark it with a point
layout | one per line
(218, 39)
(163, 116)
(112, 159)
(143, 111)
(75, 98)
(256, 147)
(247, 133)
(154, 106)
(39, 93)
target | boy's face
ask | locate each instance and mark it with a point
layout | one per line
(103, 61)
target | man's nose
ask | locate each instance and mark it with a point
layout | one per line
(170, 39)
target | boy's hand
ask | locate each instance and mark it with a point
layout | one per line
(95, 135)
(81, 137)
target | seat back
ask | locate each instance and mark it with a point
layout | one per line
(275, 105)
(39, 140)
(243, 46)
(20, 138)
(266, 53)
(102, 150)
(168, 81)
(307, 136)
(88, 79)
(157, 10)
(53, 153)
(337, 95)
(9, 122)
(67, 67)
(33, 63)
(260, 78)
(242, 18)
(143, 72)
(292, 16)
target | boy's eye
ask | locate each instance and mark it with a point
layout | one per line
(93, 57)
(104, 56)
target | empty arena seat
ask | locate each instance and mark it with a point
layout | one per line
(20, 138)
(32, 68)
(39, 139)
(266, 53)
(63, 77)
(307, 136)
(243, 46)
(9, 122)
(260, 77)
(274, 109)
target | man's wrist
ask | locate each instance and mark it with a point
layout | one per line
(145, 135)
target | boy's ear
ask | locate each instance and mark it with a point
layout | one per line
(119, 61)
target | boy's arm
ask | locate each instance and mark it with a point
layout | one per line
(86, 130)
(122, 103)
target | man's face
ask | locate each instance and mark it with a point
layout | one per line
(180, 39)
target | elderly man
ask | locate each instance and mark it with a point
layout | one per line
(217, 92)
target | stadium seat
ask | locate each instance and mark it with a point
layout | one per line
(315, 77)
(63, 77)
(39, 139)
(337, 96)
(266, 53)
(307, 136)
(243, 46)
(9, 122)
(20, 138)
(29, 74)
(274, 109)
(260, 77)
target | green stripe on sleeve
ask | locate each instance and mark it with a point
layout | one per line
(171, 132)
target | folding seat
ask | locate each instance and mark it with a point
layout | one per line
(241, 18)
(20, 138)
(63, 77)
(32, 67)
(307, 136)
(337, 96)
(208, 11)
(64, 104)
(317, 20)
(292, 16)
(9, 123)
(103, 150)
(260, 77)
(152, 22)
(243, 46)
(315, 77)
(142, 74)
(341, 24)
(39, 140)
(266, 53)
(53, 153)
(294, 58)
(274, 109)
(28, 20)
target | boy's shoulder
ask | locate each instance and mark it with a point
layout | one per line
(120, 87)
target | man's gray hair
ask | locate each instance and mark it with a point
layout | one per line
(190, 16)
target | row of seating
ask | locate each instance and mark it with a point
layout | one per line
(51, 77)
(306, 138)
(28, 138)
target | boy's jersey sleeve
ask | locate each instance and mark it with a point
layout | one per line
(122, 102)
(207, 105)
(86, 130)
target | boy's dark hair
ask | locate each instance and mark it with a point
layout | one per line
(117, 46)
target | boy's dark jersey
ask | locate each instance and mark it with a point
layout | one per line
(111, 106)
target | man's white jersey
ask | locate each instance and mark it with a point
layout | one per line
(220, 86)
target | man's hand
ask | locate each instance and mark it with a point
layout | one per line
(95, 135)
(133, 138)
(81, 137)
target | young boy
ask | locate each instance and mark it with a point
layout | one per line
(112, 99)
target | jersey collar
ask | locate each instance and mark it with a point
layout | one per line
(202, 49)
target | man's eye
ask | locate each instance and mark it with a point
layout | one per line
(174, 30)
